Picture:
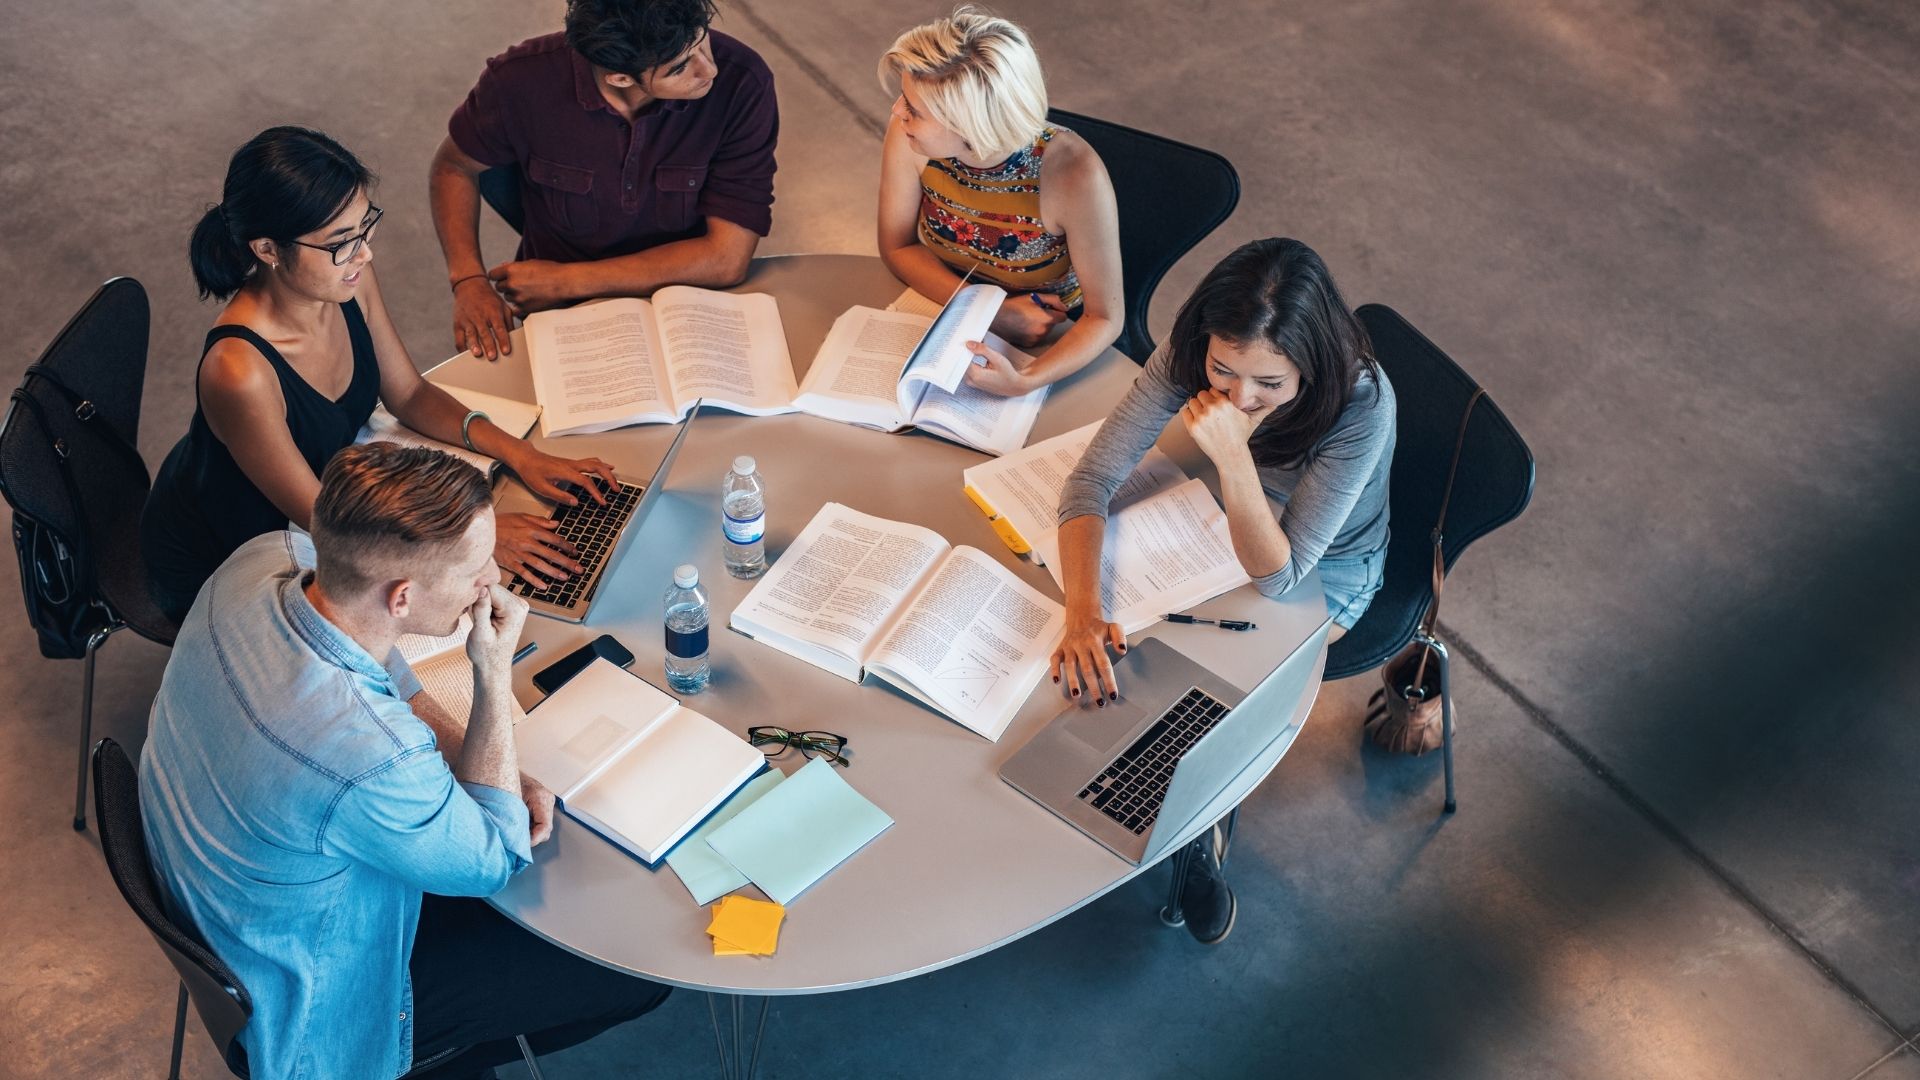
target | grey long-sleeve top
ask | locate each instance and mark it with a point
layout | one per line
(1335, 502)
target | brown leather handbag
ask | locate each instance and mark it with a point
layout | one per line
(1405, 713)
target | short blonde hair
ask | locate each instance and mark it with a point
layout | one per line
(979, 77)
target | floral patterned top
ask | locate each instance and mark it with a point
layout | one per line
(991, 218)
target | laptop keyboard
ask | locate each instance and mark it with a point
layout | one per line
(592, 528)
(1130, 789)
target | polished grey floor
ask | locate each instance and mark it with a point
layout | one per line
(1679, 243)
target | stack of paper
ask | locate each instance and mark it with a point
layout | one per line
(516, 418)
(701, 869)
(743, 927)
(794, 834)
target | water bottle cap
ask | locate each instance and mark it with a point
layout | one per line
(743, 465)
(686, 575)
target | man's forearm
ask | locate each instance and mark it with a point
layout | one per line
(455, 200)
(698, 261)
(487, 754)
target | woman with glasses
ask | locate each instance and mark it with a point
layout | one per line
(295, 363)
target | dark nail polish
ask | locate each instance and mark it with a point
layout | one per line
(1102, 703)
(1115, 695)
(1056, 678)
(1076, 691)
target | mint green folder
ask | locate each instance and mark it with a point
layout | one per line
(701, 869)
(793, 835)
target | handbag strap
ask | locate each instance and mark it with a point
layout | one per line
(1440, 523)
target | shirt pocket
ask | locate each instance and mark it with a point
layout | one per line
(567, 191)
(676, 194)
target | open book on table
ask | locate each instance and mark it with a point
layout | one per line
(1020, 493)
(516, 418)
(445, 673)
(630, 762)
(898, 369)
(605, 365)
(859, 595)
(1166, 552)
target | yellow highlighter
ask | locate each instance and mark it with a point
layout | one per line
(1007, 533)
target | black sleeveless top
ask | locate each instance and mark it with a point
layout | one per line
(202, 506)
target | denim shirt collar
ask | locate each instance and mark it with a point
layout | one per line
(328, 641)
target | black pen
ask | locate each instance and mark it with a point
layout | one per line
(1224, 624)
(525, 651)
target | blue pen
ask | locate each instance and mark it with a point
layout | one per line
(1035, 297)
(525, 651)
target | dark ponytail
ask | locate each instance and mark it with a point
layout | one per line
(285, 182)
(1279, 294)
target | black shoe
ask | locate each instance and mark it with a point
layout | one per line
(1205, 898)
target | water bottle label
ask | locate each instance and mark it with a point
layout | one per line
(744, 530)
(686, 644)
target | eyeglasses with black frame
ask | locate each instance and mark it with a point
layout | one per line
(774, 741)
(344, 251)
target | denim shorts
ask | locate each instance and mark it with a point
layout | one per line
(1351, 583)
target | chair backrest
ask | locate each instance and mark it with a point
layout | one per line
(222, 1002)
(1170, 196)
(1494, 484)
(500, 187)
(87, 387)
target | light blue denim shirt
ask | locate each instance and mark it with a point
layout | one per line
(296, 809)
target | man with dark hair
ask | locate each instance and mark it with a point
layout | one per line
(643, 144)
(301, 794)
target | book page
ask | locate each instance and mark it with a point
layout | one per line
(942, 358)
(516, 418)
(1165, 553)
(840, 582)
(912, 303)
(974, 642)
(730, 350)
(579, 729)
(855, 377)
(448, 679)
(596, 368)
(976, 418)
(1024, 488)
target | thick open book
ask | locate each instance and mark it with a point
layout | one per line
(630, 762)
(445, 673)
(601, 366)
(1166, 552)
(1020, 493)
(860, 595)
(516, 418)
(894, 370)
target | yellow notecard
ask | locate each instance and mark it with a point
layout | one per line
(745, 925)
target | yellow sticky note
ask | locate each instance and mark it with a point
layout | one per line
(745, 925)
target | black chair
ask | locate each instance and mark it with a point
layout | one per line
(70, 461)
(1170, 196)
(1492, 487)
(500, 187)
(217, 995)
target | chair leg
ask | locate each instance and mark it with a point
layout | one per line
(1172, 914)
(526, 1054)
(1446, 720)
(179, 1033)
(98, 639)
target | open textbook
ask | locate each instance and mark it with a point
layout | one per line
(1020, 493)
(859, 595)
(894, 370)
(601, 366)
(516, 418)
(445, 673)
(629, 762)
(1166, 552)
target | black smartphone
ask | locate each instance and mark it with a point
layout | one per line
(555, 675)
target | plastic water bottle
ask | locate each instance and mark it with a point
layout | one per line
(743, 508)
(687, 668)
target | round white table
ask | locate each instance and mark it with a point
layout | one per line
(970, 864)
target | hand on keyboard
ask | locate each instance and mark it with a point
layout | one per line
(529, 547)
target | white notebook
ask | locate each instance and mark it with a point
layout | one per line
(630, 762)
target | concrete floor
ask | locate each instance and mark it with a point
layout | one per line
(1679, 243)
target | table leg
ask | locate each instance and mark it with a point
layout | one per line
(737, 1052)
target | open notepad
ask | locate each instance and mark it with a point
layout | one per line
(601, 366)
(1167, 552)
(859, 595)
(894, 369)
(629, 762)
(516, 418)
(445, 673)
(1020, 493)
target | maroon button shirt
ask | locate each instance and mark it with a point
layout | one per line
(594, 187)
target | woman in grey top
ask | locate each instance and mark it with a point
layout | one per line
(1275, 381)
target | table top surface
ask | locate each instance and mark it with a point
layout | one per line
(969, 864)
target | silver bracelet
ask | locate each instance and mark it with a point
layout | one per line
(466, 426)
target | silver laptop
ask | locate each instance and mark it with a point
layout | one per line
(600, 532)
(1136, 773)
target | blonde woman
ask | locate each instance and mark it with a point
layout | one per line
(972, 177)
